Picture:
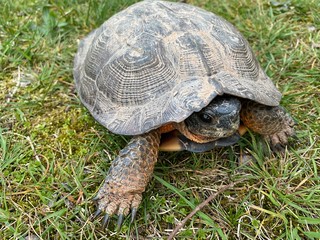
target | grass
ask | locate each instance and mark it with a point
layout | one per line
(54, 156)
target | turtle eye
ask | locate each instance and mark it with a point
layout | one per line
(206, 118)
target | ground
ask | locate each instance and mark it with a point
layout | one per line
(54, 156)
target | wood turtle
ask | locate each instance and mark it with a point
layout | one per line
(163, 67)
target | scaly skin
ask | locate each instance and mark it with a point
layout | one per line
(131, 171)
(274, 123)
(128, 176)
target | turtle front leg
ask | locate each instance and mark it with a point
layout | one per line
(128, 177)
(274, 123)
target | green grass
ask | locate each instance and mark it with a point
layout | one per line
(54, 156)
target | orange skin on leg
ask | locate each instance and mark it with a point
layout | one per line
(274, 123)
(132, 169)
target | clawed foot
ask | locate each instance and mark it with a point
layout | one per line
(116, 204)
(127, 178)
(279, 139)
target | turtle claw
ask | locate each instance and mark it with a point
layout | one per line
(133, 214)
(96, 214)
(112, 203)
(120, 221)
(114, 206)
(121, 217)
(105, 221)
(96, 198)
(278, 148)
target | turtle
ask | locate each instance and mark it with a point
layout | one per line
(173, 77)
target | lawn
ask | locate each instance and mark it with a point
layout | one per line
(54, 156)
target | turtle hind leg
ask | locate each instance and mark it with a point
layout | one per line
(128, 177)
(274, 123)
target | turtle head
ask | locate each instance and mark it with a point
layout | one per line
(220, 119)
(216, 125)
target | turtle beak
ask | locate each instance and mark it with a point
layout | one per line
(170, 142)
(175, 141)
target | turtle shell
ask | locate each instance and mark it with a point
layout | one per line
(157, 62)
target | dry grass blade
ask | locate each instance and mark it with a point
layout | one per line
(199, 207)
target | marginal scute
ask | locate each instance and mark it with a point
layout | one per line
(157, 62)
